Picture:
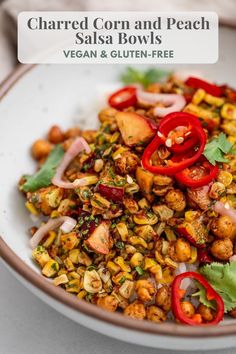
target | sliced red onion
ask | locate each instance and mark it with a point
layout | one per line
(76, 147)
(225, 209)
(185, 282)
(65, 223)
(173, 102)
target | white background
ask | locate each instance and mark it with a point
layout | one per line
(28, 326)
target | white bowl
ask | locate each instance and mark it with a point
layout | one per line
(34, 98)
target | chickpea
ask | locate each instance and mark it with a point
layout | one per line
(222, 227)
(232, 313)
(217, 189)
(179, 250)
(107, 114)
(41, 149)
(188, 308)
(183, 250)
(135, 310)
(55, 135)
(73, 132)
(175, 200)
(163, 298)
(145, 289)
(108, 303)
(155, 87)
(155, 314)
(205, 312)
(127, 163)
(222, 249)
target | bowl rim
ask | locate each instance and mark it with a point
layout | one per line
(71, 301)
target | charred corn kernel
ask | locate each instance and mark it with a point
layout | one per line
(198, 96)
(127, 289)
(213, 100)
(62, 279)
(50, 269)
(165, 247)
(84, 194)
(92, 281)
(123, 265)
(159, 228)
(69, 265)
(87, 181)
(110, 255)
(82, 294)
(120, 277)
(170, 263)
(132, 188)
(50, 239)
(228, 111)
(159, 258)
(148, 263)
(99, 202)
(117, 154)
(145, 231)
(74, 256)
(104, 274)
(136, 260)
(107, 152)
(191, 215)
(143, 203)
(31, 208)
(62, 271)
(229, 127)
(157, 271)
(74, 275)
(66, 204)
(80, 270)
(114, 137)
(98, 165)
(84, 259)
(225, 178)
(200, 112)
(170, 235)
(40, 254)
(55, 214)
(138, 241)
(193, 258)
(167, 276)
(69, 241)
(123, 231)
(73, 286)
(113, 268)
(147, 218)
(54, 197)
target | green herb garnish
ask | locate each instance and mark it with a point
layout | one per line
(222, 278)
(43, 177)
(122, 280)
(120, 244)
(216, 149)
(139, 270)
(144, 78)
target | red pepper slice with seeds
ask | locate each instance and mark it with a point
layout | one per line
(123, 98)
(170, 123)
(211, 294)
(198, 175)
(197, 83)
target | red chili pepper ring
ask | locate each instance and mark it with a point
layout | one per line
(211, 294)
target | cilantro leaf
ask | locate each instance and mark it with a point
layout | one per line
(144, 78)
(222, 278)
(214, 151)
(42, 178)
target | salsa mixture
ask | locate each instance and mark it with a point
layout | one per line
(139, 216)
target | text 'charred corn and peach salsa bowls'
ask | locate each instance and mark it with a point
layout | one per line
(138, 216)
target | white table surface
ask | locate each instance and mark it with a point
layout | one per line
(28, 326)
